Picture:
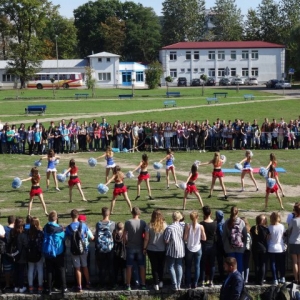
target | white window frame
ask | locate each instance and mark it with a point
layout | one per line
(99, 59)
(202, 70)
(188, 70)
(173, 73)
(254, 72)
(173, 55)
(233, 55)
(211, 72)
(233, 72)
(221, 55)
(196, 55)
(139, 76)
(107, 59)
(182, 70)
(195, 70)
(221, 72)
(104, 76)
(245, 72)
(188, 55)
(254, 54)
(245, 54)
(212, 55)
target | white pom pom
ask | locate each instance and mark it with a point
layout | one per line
(157, 165)
(92, 162)
(61, 177)
(197, 163)
(182, 185)
(17, 182)
(56, 162)
(102, 188)
(263, 172)
(129, 175)
(271, 182)
(223, 157)
(68, 174)
(37, 163)
(238, 166)
(251, 154)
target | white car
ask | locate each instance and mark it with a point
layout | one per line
(251, 81)
(283, 84)
(237, 81)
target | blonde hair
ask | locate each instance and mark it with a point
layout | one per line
(176, 216)
(216, 158)
(247, 225)
(157, 222)
(275, 218)
(109, 151)
(194, 218)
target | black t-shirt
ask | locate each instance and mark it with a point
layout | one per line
(259, 239)
(210, 231)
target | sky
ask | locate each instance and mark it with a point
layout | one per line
(67, 6)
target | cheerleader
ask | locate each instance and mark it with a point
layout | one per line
(35, 189)
(274, 189)
(110, 164)
(51, 168)
(273, 162)
(191, 186)
(120, 188)
(247, 169)
(144, 175)
(170, 167)
(74, 180)
(217, 173)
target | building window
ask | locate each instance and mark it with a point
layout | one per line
(108, 59)
(211, 72)
(8, 78)
(221, 54)
(173, 55)
(254, 54)
(233, 72)
(104, 76)
(196, 55)
(254, 72)
(211, 55)
(221, 72)
(182, 70)
(195, 70)
(245, 54)
(233, 54)
(245, 72)
(202, 70)
(188, 70)
(99, 59)
(173, 73)
(188, 55)
(139, 76)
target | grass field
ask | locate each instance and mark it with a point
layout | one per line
(147, 105)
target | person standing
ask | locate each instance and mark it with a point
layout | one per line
(133, 238)
(169, 158)
(247, 170)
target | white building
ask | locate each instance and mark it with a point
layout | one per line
(242, 58)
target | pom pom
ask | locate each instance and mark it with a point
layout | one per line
(102, 188)
(68, 174)
(182, 185)
(61, 177)
(157, 165)
(138, 170)
(17, 182)
(56, 162)
(250, 153)
(223, 157)
(238, 166)
(92, 162)
(197, 163)
(271, 182)
(263, 172)
(129, 175)
(125, 150)
(115, 150)
(37, 163)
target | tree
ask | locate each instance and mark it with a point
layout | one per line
(27, 19)
(252, 26)
(4, 37)
(153, 74)
(295, 49)
(228, 25)
(183, 20)
(168, 79)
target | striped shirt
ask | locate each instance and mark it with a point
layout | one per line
(174, 238)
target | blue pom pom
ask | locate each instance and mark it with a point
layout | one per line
(56, 162)
(125, 150)
(92, 162)
(157, 165)
(271, 182)
(182, 185)
(68, 174)
(37, 163)
(238, 166)
(102, 188)
(115, 150)
(129, 175)
(17, 182)
(61, 177)
(263, 172)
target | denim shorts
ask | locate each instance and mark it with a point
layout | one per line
(135, 255)
(79, 260)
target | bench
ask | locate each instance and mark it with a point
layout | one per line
(210, 100)
(125, 96)
(249, 97)
(220, 94)
(174, 94)
(32, 109)
(77, 96)
(169, 103)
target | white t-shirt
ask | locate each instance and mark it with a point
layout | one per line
(2, 231)
(276, 244)
(193, 243)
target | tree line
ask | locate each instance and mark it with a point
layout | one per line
(30, 31)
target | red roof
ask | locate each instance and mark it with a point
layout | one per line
(223, 45)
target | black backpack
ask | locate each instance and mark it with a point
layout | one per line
(77, 244)
(2, 247)
(12, 250)
(34, 248)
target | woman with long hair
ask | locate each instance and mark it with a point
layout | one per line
(260, 234)
(35, 189)
(120, 188)
(154, 246)
(191, 186)
(144, 176)
(169, 158)
(247, 169)
(74, 179)
(35, 236)
(194, 233)
(235, 237)
(217, 173)
(109, 157)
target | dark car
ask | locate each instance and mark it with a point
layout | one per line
(196, 82)
(210, 81)
(271, 83)
(224, 81)
(181, 81)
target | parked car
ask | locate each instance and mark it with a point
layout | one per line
(283, 84)
(224, 81)
(251, 81)
(271, 83)
(181, 81)
(196, 82)
(237, 81)
(210, 81)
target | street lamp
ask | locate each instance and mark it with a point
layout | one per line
(56, 36)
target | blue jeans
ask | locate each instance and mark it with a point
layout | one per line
(134, 255)
(191, 257)
(277, 261)
(120, 140)
(208, 257)
(175, 269)
(239, 259)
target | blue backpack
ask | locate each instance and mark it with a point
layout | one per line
(49, 246)
(104, 238)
